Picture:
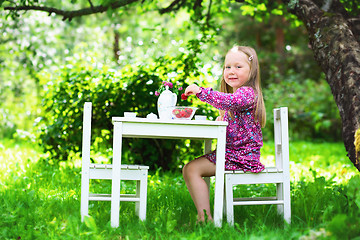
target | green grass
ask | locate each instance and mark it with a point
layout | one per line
(42, 201)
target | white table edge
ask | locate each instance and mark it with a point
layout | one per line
(170, 121)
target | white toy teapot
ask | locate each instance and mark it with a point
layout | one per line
(166, 101)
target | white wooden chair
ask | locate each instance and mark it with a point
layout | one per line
(104, 171)
(279, 175)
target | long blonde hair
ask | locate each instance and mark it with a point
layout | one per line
(254, 81)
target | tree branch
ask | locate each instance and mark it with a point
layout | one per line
(175, 5)
(208, 16)
(68, 15)
(197, 4)
(91, 5)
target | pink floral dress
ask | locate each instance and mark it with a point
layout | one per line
(243, 133)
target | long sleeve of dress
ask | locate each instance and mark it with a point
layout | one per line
(243, 98)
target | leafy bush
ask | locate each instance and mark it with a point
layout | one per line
(312, 110)
(113, 92)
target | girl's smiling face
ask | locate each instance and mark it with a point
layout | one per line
(236, 69)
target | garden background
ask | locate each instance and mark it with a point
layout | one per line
(117, 60)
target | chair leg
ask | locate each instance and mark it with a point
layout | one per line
(280, 196)
(85, 184)
(224, 201)
(287, 203)
(138, 195)
(229, 200)
(141, 188)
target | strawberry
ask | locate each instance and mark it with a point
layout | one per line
(189, 110)
(183, 96)
(183, 113)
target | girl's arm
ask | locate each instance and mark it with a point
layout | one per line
(195, 89)
(243, 98)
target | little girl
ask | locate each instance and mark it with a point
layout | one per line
(241, 104)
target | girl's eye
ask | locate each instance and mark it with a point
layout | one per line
(227, 67)
(238, 66)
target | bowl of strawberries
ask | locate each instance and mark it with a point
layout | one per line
(183, 113)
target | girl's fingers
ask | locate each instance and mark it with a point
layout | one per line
(192, 90)
(188, 93)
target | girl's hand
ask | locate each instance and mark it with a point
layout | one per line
(192, 90)
(221, 116)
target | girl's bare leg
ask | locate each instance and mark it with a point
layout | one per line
(193, 173)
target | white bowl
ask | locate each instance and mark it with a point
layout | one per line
(130, 114)
(183, 113)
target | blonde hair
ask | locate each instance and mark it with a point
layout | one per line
(254, 82)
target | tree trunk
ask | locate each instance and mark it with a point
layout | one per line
(116, 47)
(334, 40)
(280, 42)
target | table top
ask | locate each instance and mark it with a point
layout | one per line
(169, 121)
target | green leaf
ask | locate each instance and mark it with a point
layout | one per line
(353, 191)
(90, 223)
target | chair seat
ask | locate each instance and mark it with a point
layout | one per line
(269, 175)
(266, 170)
(123, 166)
(127, 172)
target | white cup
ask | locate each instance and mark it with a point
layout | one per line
(151, 116)
(130, 114)
(200, 117)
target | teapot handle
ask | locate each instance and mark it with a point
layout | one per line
(174, 99)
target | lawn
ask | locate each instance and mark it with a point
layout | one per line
(42, 201)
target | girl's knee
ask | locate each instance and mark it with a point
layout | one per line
(185, 170)
(189, 169)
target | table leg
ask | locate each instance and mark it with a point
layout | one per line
(115, 185)
(207, 149)
(207, 146)
(219, 176)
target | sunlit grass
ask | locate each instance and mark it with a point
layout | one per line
(42, 201)
(327, 159)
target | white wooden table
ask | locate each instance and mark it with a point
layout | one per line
(169, 129)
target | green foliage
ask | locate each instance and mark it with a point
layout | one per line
(310, 198)
(263, 11)
(113, 92)
(141, 40)
(347, 225)
(312, 112)
(352, 7)
(42, 201)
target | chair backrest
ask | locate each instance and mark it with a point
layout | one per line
(86, 138)
(281, 138)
